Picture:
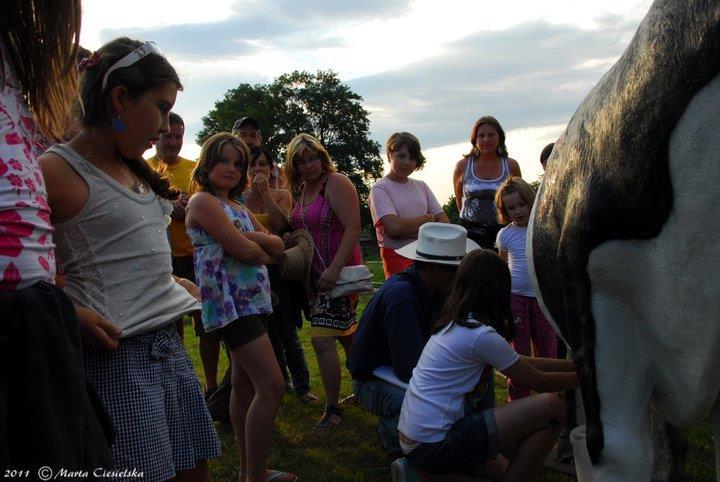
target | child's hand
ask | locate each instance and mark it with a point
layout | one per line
(289, 240)
(98, 333)
(180, 207)
(190, 287)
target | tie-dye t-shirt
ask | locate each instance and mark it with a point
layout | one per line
(229, 289)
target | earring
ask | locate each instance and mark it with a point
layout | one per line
(118, 124)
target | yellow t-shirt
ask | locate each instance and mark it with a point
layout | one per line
(179, 176)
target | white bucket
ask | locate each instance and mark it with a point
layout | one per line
(580, 454)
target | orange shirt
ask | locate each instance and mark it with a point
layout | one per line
(179, 176)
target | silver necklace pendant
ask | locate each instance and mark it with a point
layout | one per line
(140, 188)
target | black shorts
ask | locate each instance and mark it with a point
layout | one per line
(243, 330)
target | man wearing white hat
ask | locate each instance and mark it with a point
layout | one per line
(397, 323)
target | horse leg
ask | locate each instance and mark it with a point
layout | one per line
(625, 393)
(716, 428)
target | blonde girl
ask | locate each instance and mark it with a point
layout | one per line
(231, 249)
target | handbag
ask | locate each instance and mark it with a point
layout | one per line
(352, 279)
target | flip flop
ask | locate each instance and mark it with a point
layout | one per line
(277, 476)
(280, 476)
(309, 398)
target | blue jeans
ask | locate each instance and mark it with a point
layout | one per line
(384, 400)
(282, 331)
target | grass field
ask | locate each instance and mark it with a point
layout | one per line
(354, 452)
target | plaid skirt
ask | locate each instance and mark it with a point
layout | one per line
(151, 391)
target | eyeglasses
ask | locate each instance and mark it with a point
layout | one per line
(302, 162)
(139, 53)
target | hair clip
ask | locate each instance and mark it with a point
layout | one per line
(90, 61)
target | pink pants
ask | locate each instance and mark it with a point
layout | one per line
(531, 326)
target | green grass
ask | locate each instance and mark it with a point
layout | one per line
(354, 452)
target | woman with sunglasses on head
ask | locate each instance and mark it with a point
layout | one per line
(47, 417)
(330, 209)
(110, 210)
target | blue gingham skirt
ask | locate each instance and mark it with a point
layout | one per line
(153, 395)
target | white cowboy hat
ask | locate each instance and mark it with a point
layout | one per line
(439, 243)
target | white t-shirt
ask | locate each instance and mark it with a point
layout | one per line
(512, 239)
(405, 200)
(449, 367)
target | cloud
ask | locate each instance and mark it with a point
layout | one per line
(334, 10)
(264, 24)
(531, 74)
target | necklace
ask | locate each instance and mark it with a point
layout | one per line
(140, 187)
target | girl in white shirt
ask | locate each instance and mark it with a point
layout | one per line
(436, 434)
(533, 332)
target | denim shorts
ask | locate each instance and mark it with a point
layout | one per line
(470, 442)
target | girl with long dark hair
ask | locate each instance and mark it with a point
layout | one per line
(437, 436)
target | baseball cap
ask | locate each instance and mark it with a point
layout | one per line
(246, 120)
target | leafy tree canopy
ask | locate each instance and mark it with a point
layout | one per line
(318, 104)
(451, 210)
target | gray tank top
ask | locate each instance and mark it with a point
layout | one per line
(116, 254)
(478, 204)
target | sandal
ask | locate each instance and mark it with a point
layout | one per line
(331, 419)
(277, 476)
(348, 401)
(280, 476)
(309, 398)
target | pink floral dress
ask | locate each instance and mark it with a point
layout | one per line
(26, 247)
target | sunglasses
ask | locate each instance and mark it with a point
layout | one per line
(139, 53)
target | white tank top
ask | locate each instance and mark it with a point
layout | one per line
(116, 253)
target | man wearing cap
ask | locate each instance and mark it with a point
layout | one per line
(397, 323)
(248, 130)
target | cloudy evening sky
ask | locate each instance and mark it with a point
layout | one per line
(429, 67)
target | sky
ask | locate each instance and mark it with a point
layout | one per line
(423, 66)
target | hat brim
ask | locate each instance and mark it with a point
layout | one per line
(301, 258)
(410, 251)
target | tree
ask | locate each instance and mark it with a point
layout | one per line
(318, 104)
(451, 210)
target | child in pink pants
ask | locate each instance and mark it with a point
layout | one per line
(514, 199)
